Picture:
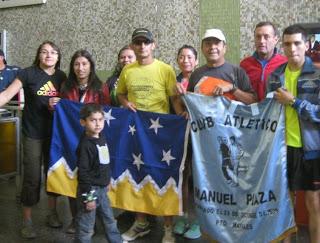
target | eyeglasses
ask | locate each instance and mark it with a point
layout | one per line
(139, 42)
(45, 52)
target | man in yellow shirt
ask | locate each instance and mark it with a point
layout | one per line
(297, 86)
(147, 84)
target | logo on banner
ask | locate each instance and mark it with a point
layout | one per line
(231, 154)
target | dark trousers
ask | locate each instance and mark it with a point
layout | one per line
(35, 152)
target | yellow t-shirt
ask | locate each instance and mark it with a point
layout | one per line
(148, 86)
(293, 135)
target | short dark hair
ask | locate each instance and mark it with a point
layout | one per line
(296, 29)
(191, 48)
(2, 55)
(90, 108)
(267, 23)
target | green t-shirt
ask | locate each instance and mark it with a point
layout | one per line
(148, 86)
(293, 135)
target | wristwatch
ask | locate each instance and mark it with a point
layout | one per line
(234, 88)
(292, 101)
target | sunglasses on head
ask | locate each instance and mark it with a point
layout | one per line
(139, 42)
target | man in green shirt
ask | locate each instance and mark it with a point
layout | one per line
(297, 87)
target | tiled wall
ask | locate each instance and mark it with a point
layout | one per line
(238, 18)
(101, 26)
(223, 15)
(104, 26)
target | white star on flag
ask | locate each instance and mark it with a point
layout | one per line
(137, 160)
(167, 156)
(155, 125)
(132, 129)
(108, 117)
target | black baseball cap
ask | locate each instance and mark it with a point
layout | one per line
(142, 32)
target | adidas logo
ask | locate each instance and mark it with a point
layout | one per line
(48, 90)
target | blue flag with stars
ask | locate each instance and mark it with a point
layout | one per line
(147, 153)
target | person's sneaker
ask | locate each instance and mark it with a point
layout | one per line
(71, 229)
(53, 221)
(168, 235)
(27, 231)
(193, 232)
(180, 226)
(136, 230)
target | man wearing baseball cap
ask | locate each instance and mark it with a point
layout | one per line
(217, 76)
(7, 73)
(147, 84)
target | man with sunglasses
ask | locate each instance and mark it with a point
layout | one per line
(147, 84)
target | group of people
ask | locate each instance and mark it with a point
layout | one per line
(295, 82)
(288, 77)
(141, 82)
(44, 84)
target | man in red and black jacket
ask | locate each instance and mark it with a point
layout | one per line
(265, 59)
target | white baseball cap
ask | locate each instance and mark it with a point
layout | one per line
(216, 33)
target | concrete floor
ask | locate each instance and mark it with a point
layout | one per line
(10, 221)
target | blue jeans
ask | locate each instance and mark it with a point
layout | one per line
(85, 220)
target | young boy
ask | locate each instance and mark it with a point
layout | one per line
(93, 177)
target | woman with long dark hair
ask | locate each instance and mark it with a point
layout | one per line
(84, 86)
(40, 82)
